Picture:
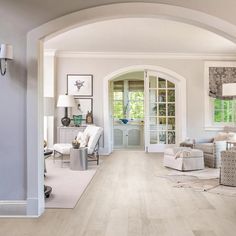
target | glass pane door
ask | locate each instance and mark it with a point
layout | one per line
(159, 113)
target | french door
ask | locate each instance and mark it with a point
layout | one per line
(160, 112)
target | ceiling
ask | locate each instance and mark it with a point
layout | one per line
(28, 14)
(142, 35)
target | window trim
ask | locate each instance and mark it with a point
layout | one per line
(210, 125)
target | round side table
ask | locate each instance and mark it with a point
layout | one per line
(78, 158)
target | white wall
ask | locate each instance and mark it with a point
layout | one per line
(22, 16)
(192, 70)
(13, 116)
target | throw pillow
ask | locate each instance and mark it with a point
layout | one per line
(221, 136)
(231, 136)
(83, 139)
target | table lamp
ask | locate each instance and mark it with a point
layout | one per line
(65, 101)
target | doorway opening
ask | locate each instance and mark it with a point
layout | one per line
(127, 108)
(147, 107)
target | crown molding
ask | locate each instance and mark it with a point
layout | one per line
(137, 55)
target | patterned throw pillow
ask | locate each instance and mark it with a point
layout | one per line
(221, 136)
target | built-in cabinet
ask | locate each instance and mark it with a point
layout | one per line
(68, 134)
(128, 136)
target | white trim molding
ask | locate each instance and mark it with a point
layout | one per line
(140, 55)
(13, 208)
(37, 36)
(180, 81)
(208, 101)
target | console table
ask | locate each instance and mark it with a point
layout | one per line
(68, 134)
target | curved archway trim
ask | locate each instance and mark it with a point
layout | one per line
(35, 39)
(182, 99)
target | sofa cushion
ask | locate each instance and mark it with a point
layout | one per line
(205, 147)
(83, 139)
(189, 152)
(94, 132)
(221, 136)
(231, 136)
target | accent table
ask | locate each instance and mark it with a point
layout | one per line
(78, 158)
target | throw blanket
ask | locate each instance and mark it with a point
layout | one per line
(183, 153)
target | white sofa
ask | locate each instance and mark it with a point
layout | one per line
(93, 134)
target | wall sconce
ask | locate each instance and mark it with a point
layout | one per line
(6, 53)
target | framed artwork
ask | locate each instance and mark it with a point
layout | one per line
(80, 85)
(83, 106)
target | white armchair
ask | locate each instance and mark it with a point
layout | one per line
(92, 135)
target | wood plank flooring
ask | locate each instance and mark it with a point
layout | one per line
(126, 198)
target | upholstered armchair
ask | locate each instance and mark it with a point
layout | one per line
(211, 151)
(89, 138)
(212, 147)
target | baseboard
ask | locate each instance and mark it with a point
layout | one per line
(13, 208)
(35, 207)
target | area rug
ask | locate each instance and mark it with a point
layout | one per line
(206, 180)
(67, 185)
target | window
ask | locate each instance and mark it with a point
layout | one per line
(224, 111)
(218, 112)
(128, 99)
(118, 105)
(136, 110)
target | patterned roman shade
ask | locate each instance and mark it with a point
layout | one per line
(136, 85)
(118, 86)
(219, 76)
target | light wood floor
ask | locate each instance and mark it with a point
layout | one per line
(126, 198)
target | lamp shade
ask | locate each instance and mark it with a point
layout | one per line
(6, 51)
(229, 89)
(48, 106)
(66, 101)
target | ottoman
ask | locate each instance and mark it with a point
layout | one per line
(183, 158)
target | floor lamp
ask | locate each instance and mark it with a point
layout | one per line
(229, 90)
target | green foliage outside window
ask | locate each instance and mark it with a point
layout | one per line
(134, 107)
(224, 111)
(118, 105)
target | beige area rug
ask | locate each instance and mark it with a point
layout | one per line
(206, 180)
(67, 185)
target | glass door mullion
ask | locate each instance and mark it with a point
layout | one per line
(160, 115)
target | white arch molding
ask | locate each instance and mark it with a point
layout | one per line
(179, 80)
(35, 38)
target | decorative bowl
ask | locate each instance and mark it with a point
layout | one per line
(124, 121)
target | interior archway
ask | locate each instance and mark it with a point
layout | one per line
(180, 80)
(35, 197)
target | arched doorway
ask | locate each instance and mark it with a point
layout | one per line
(180, 122)
(35, 197)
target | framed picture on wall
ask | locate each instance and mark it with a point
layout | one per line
(80, 85)
(83, 106)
